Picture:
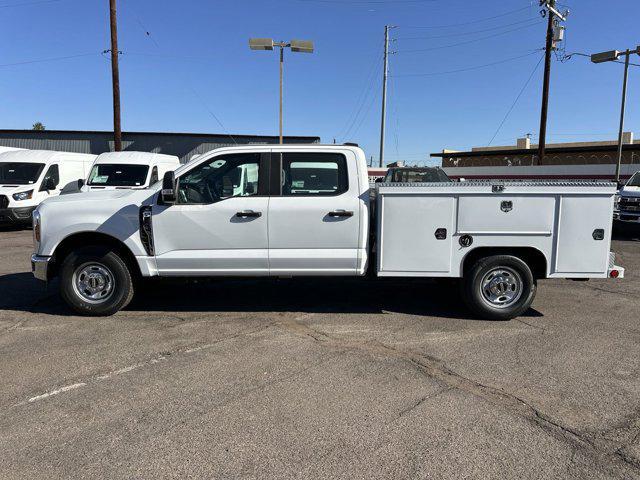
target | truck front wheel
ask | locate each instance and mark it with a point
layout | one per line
(499, 287)
(95, 281)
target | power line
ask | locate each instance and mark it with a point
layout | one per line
(365, 2)
(189, 86)
(52, 59)
(374, 97)
(516, 100)
(464, 34)
(362, 99)
(467, 42)
(480, 20)
(26, 4)
(141, 25)
(467, 69)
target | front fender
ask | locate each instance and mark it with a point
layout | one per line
(58, 225)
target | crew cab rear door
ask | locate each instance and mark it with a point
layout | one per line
(218, 225)
(314, 213)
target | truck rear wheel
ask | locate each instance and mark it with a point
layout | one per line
(499, 287)
(95, 281)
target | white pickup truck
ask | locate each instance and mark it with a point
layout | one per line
(627, 204)
(305, 211)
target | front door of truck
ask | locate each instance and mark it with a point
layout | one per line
(314, 214)
(218, 225)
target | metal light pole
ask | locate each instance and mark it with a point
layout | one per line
(281, 82)
(612, 56)
(385, 75)
(302, 46)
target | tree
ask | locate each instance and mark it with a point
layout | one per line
(38, 126)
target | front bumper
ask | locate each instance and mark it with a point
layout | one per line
(16, 215)
(40, 267)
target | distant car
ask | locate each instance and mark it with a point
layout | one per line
(627, 204)
(416, 175)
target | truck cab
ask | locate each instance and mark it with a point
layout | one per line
(123, 170)
(627, 205)
(28, 177)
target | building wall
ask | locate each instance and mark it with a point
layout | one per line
(183, 145)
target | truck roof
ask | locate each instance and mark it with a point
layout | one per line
(287, 146)
(43, 156)
(136, 158)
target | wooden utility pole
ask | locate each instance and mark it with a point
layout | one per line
(115, 75)
(542, 139)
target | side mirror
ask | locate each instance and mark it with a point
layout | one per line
(80, 183)
(168, 192)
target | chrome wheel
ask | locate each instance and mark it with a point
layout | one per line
(93, 282)
(501, 287)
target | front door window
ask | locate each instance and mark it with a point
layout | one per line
(220, 178)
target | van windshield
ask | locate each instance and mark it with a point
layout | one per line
(15, 173)
(417, 175)
(634, 181)
(118, 175)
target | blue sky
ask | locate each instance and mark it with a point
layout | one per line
(195, 63)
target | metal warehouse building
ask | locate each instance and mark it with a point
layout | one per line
(183, 145)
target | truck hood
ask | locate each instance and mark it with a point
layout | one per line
(113, 197)
(630, 192)
(93, 188)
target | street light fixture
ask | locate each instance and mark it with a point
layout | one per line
(300, 46)
(612, 56)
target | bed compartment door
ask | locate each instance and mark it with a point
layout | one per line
(584, 234)
(415, 234)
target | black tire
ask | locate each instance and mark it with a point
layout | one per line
(514, 287)
(106, 266)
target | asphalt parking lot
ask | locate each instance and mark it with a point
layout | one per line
(309, 379)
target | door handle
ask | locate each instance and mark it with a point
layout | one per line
(248, 214)
(341, 213)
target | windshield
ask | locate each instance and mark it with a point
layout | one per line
(634, 181)
(407, 175)
(20, 173)
(118, 175)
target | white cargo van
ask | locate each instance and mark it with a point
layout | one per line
(117, 170)
(27, 177)
(9, 149)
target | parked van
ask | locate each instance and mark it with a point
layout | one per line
(9, 149)
(27, 177)
(114, 170)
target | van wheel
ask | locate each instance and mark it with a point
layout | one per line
(95, 281)
(500, 287)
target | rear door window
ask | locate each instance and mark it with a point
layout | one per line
(313, 174)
